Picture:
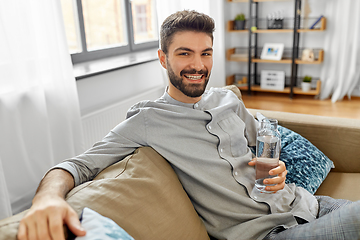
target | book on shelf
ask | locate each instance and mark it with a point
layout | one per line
(316, 22)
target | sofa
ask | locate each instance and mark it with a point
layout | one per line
(143, 195)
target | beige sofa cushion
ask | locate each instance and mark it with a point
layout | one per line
(341, 185)
(9, 226)
(142, 194)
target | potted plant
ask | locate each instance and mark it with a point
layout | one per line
(239, 22)
(306, 83)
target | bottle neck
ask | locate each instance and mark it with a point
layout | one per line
(269, 123)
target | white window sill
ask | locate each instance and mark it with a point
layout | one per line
(95, 67)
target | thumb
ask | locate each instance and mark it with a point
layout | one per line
(74, 225)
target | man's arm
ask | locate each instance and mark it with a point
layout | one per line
(49, 210)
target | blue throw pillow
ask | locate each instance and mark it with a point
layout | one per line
(307, 166)
(100, 227)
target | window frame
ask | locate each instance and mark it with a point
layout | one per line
(86, 55)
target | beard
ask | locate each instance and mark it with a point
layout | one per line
(189, 89)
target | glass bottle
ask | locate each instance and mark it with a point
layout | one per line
(268, 144)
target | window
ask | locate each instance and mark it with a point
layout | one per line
(103, 28)
(140, 19)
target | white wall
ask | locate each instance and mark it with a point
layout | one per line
(218, 74)
(105, 89)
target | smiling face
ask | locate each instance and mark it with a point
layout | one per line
(188, 63)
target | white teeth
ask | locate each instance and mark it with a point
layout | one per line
(194, 77)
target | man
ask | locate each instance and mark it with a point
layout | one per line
(204, 135)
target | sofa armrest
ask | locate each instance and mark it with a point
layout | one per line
(337, 138)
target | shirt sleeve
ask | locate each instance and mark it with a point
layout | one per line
(120, 142)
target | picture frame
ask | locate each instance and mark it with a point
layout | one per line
(272, 51)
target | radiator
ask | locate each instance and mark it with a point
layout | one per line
(98, 123)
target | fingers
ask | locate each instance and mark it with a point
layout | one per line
(55, 228)
(276, 180)
(40, 223)
(24, 227)
(36, 225)
(22, 231)
(276, 187)
(32, 234)
(252, 162)
(278, 170)
(47, 223)
(279, 182)
(74, 224)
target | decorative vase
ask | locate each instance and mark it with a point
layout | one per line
(305, 86)
(239, 25)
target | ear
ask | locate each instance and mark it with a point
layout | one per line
(162, 58)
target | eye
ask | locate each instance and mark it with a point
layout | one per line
(206, 54)
(184, 54)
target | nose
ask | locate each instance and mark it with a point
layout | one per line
(197, 63)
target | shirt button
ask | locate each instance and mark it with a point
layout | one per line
(221, 150)
(209, 127)
(196, 105)
(236, 173)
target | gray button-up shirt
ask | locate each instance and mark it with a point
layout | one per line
(207, 145)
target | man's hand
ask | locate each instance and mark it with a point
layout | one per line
(49, 211)
(45, 220)
(278, 180)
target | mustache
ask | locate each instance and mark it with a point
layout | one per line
(193, 71)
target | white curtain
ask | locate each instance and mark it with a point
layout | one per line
(39, 111)
(341, 71)
(5, 205)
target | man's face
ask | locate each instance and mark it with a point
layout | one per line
(189, 63)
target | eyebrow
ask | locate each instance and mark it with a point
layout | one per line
(190, 50)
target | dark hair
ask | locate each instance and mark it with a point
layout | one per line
(184, 21)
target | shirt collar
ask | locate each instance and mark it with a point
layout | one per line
(171, 100)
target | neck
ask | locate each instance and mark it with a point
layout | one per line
(181, 97)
